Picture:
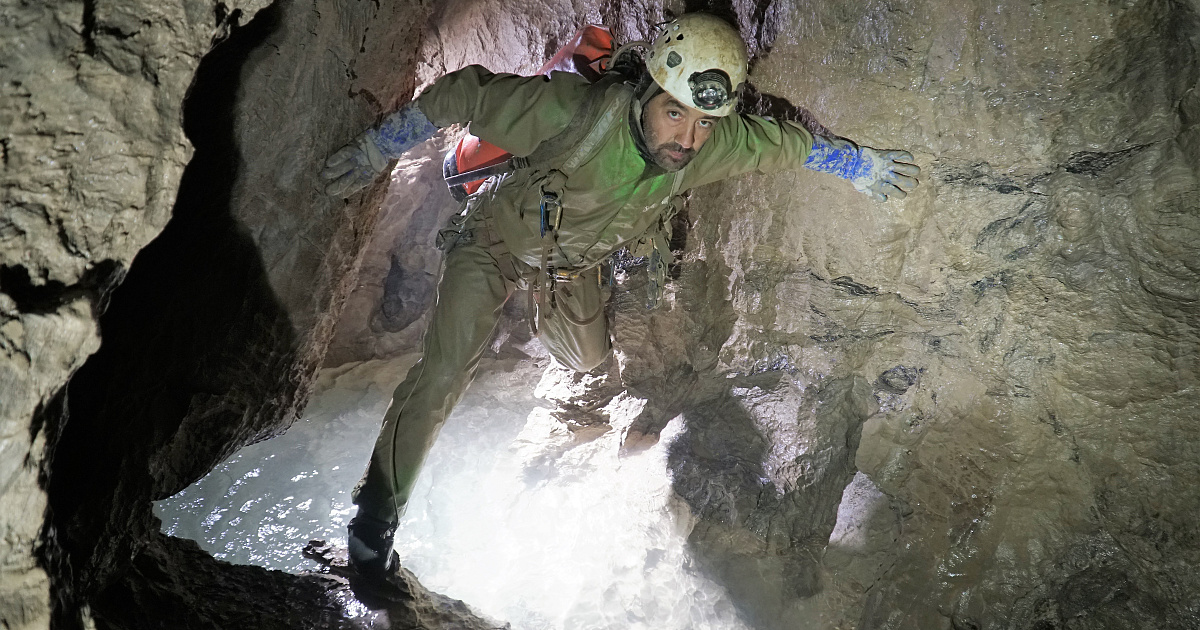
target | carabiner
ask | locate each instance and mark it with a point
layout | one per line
(550, 224)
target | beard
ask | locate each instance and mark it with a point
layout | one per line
(669, 156)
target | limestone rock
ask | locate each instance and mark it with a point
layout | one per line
(91, 154)
(970, 409)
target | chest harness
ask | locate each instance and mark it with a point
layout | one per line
(560, 156)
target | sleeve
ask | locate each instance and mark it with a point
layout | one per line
(743, 143)
(512, 112)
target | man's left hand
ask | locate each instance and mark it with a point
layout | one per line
(353, 167)
(892, 174)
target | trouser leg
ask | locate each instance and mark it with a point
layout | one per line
(470, 296)
(579, 347)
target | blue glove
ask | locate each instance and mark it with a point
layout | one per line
(881, 175)
(354, 166)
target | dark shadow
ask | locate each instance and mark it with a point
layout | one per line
(763, 542)
(723, 9)
(681, 224)
(761, 510)
(763, 22)
(194, 319)
(717, 468)
(779, 108)
(176, 577)
(96, 284)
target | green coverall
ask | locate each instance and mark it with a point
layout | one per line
(608, 202)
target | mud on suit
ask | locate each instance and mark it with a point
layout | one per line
(609, 201)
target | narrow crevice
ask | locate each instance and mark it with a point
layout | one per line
(89, 28)
(762, 104)
(1095, 163)
(97, 284)
(980, 174)
(176, 333)
(847, 284)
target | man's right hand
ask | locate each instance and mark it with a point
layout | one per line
(352, 167)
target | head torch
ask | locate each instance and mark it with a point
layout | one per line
(710, 89)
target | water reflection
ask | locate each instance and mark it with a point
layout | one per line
(510, 514)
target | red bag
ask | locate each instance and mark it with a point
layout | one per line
(587, 53)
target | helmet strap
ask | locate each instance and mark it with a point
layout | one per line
(635, 120)
(647, 88)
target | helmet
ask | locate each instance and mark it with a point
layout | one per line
(700, 60)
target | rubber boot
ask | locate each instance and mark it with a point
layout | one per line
(370, 546)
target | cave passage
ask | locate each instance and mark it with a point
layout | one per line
(509, 515)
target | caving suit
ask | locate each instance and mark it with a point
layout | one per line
(608, 201)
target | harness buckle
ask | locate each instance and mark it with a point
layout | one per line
(551, 213)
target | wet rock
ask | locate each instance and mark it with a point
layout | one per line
(1008, 282)
(170, 575)
(1002, 368)
(1026, 320)
(91, 155)
(94, 150)
(898, 379)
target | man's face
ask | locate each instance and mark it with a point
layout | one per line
(674, 132)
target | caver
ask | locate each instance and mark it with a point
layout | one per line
(596, 167)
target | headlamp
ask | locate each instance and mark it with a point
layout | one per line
(710, 89)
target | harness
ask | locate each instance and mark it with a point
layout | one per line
(561, 155)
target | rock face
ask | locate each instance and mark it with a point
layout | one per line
(213, 336)
(1007, 358)
(91, 154)
(970, 409)
(1026, 321)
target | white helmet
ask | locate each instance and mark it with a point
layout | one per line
(700, 60)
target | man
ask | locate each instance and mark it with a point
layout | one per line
(599, 168)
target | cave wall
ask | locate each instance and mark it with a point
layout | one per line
(1016, 342)
(998, 374)
(1000, 369)
(91, 154)
(215, 332)
(213, 340)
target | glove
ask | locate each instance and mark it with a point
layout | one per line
(881, 175)
(354, 166)
(892, 174)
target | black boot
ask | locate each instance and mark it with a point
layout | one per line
(370, 546)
